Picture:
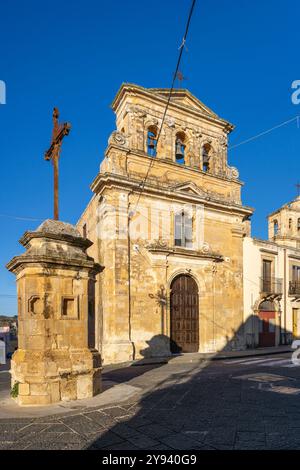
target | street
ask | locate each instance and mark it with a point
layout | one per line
(240, 403)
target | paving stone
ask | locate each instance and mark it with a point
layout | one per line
(19, 445)
(33, 428)
(197, 435)
(125, 431)
(105, 440)
(13, 426)
(180, 442)
(81, 424)
(56, 428)
(101, 418)
(154, 430)
(220, 437)
(142, 441)
(122, 446)
(250, 440)
(249, 446)
(160, 447)
(9, 436)
(253, 425)
(116, 412)
(56, 446)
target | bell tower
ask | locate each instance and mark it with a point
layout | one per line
(284, 224)
(192, 135)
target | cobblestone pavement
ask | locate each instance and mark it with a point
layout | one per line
(251, 403)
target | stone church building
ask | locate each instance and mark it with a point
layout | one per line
(167, 222)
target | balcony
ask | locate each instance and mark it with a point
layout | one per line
(294, 288)
(271, 287)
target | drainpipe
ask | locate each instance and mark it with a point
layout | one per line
(214, 270)
(166, 329)
(129, 274)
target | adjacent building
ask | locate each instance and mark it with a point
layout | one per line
(272, 280)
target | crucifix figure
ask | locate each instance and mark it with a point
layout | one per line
(58, 133)
(180, 78)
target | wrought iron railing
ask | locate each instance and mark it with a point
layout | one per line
(294, 288)
(271, 285)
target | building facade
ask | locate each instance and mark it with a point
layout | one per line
(167, 223)
(272, 280)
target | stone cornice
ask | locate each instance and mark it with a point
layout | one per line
(19, 262)
(297, 257)
(75, 241)
(156, 248)
(113, 180)
(149, 93)
(169, 162)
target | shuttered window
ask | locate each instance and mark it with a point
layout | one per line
(183, 230)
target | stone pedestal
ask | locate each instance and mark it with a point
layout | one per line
(56, 359)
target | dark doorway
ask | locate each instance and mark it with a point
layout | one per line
(184, 315)
(267, 324)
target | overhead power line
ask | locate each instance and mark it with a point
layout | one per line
(181, 48)
(20, 218)
(265, 132)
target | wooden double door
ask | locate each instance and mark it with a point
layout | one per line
(184, 303)
(267, 328)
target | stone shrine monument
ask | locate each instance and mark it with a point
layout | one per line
(56, 359)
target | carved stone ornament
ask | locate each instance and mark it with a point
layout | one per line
(223, 141)
(233, 173)
(118, 138)
(157, 244)
(170, 121)
(137, 111)
(205, 248)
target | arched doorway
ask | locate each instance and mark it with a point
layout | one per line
(267, 324)
(184, 316)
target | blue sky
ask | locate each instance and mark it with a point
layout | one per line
(242, 58)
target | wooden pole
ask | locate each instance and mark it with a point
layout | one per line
(55, 167)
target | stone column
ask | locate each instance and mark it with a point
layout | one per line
(55, 360)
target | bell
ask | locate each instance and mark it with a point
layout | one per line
(205, 158)
(179, 150)
(151, 143)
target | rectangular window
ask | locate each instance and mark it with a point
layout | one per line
(296, 273)
(183, 230)
(267, 278)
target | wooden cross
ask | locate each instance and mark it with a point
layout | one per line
(58, 133)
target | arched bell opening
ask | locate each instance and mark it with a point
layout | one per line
(152, 141)
(206, 154)
(180, 146)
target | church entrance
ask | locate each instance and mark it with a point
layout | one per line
(184, 315)
(267, 324)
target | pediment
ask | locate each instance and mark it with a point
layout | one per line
(191, 188)
(185, 98)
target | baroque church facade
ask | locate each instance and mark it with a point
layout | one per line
(167, 223)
